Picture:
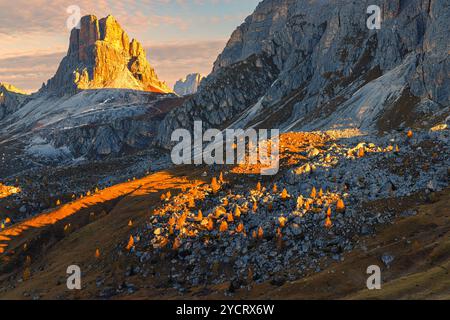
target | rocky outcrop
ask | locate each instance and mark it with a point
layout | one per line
(101, 55)
(226, 93)
(189, 85)
(10, 99)
(325, 69)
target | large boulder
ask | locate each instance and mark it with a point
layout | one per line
(189, 85)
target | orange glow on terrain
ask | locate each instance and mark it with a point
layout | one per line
(6, 191)
(150, 184)
(88, 232)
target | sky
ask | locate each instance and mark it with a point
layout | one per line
(180, 36)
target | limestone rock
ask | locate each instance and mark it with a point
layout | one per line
(100, 55)
(326, 70)
(189, 85)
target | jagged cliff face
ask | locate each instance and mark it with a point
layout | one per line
(10, 99)
(310, 64)
(101, 55)
(189, 85)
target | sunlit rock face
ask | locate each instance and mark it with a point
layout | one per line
(6, 191)
(101, 55)
(189, 85)
(10, 99)
(314, 65)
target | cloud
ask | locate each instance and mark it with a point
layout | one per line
(49, 16)
(28, 72)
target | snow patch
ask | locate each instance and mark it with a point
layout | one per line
(41, 149)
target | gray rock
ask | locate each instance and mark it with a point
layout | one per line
(387, 259)
(189, 85)
(319, 54)
(11, 99)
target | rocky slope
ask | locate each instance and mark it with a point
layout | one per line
(101, 55)
(312, 212)
(105, 100)
(172, 234)
(315, 64)
(89, 123)
(189, 85)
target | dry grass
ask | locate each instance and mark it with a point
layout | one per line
(72, 233)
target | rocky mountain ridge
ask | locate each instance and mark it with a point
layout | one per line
(342, 199)
(10, 99)
(188, 85)
(320, 67)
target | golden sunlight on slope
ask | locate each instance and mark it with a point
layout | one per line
(419, 243)
(83, 232)
(291, 146)
(88, 232)
(6, 191)
(137, 187)
(11, 88)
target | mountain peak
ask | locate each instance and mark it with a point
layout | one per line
(10, 99)
(6, 87)
(100, 55)
(188, 85)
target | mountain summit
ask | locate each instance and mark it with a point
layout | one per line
(100, 55)
(189, 85)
